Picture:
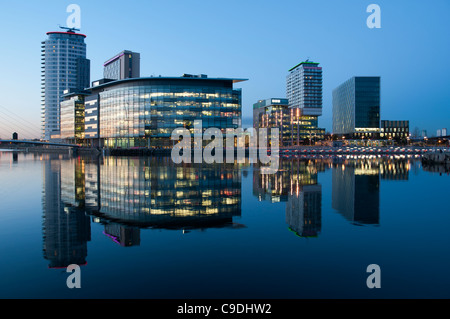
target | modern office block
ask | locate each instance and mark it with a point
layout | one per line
(304, 88)
(91, 120)
(356, 107)
(64, 67)
(303, 129)
(143, 112)
(73, 118)
(272, 114)
(124, 65)
(295, 128)
(394, 130)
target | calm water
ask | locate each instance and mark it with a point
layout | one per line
(146, 228)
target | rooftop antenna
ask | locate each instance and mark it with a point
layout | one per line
(71, 30)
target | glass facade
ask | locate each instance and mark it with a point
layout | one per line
(124, 65)
(303, 128)
(91, 120)
(395, 130)
(367, 103)
(64, 67)
(112, 70)
(304, 88)
(72, 119)
(295, 128)
(144, 112)
(356, 107)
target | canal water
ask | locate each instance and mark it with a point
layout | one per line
(143, 227)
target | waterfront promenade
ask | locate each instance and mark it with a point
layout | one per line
(355, 150)
(283, 152)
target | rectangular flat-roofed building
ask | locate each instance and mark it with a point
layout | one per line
(124, 65)
(356, 107)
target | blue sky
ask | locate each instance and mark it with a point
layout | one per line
(257, 40)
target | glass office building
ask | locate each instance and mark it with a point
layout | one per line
(395, 130)
(303, 129)
(73, 118)
(272, 113)
(124, 65)
(356, 108)
(64, 67)
(143, 112)
(304, 92)
(304, 87)
(295, 128)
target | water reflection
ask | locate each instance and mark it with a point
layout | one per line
(355, 188)
(154, 192)
(356, 185)
(292, 175)
(356, 191)
(304, 211)
(128, 194)
(396, 169)
(295, 183)
(66, 227)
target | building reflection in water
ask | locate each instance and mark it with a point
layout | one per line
(356, 185)
(66, 227)
(126, 194)
(304, 211)
(396, 169)
(296, 184)
(155, 192)
(356, 190)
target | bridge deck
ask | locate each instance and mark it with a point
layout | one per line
(39, 143)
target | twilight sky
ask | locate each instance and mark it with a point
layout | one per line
(257, 40)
